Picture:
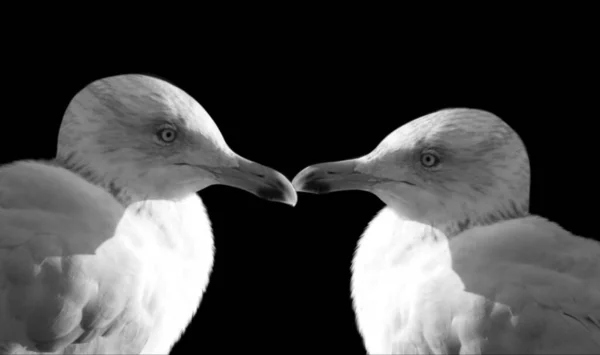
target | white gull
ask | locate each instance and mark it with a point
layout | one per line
(107, 248)
(455, 263)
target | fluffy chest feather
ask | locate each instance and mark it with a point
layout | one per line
(79, 274)
(182, 262)
(522, 286)
(389, 270)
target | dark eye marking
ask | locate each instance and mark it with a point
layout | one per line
(166, 134)
(431, 156)
(429, 159)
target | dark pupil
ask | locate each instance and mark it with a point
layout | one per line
(429, 160)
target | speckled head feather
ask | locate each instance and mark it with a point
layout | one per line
(111, 135)
(481, 173)
(110, 106)
(108, 132)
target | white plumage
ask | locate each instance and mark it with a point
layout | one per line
(455, 263)
(107, 249)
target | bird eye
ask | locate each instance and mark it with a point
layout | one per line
(166, 135)
(429, 160)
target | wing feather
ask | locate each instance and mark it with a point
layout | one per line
(68, 279)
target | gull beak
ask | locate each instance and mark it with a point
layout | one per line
(334, 176)
(257, 179)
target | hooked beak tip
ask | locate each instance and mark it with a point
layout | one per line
(286, 196)
(310, 180)
(279, 189)
(260, 180)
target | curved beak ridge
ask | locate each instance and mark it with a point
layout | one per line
(259, 180)
(334, 176)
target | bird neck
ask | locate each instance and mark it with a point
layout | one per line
(393, 237)
(483, 214)
(180, 237)
(456, 215)
(122, 187)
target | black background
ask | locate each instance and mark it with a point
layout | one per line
(281, 279)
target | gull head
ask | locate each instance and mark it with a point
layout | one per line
(146, 137)
(451, 169)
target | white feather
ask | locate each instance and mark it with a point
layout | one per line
(455, 263)
(108, 249)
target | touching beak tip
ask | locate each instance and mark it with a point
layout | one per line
(299, 181)
(281, 190)
(292, 199)
(311, 180)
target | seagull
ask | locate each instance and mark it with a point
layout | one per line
(455, 264)
(107, 249)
